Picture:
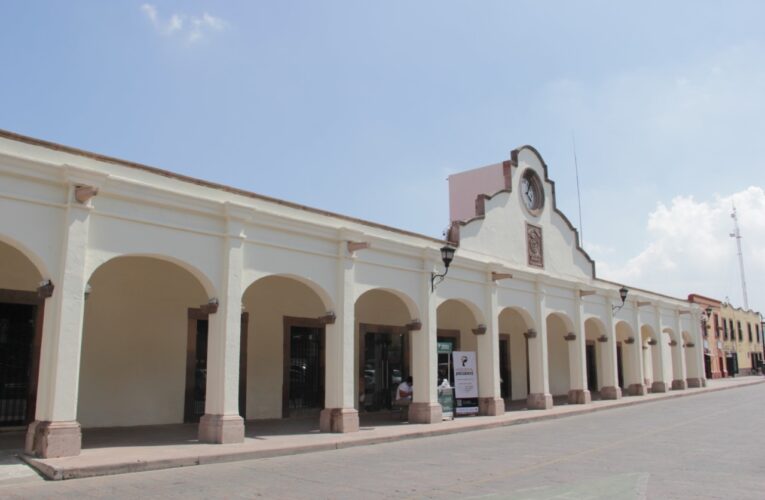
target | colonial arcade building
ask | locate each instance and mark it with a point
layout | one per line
(134, 296)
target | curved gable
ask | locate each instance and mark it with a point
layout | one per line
(502, 226)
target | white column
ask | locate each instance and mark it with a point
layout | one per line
(539, 378)
(489, 399)
(221, 422)
(577, 358)
(635, 381)
(55, 431)
(339, 413)
(658, 352)
(678, 357)
(425, 408)
(610, 388)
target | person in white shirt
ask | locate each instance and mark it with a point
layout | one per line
(404, 391)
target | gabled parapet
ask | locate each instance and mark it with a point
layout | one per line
(514, 216)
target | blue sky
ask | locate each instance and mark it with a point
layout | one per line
(364, 108)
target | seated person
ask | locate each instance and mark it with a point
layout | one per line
(404, 392)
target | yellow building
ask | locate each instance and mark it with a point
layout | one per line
(742, 339)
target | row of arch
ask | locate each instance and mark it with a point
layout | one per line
(130, 312)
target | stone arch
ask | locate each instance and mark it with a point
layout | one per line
(627, 344)
(135, 341)
(558, 353)
(200, 276)
(514, 322)
(594, 330)
(673, 363)
(286, 338)
(14, 254)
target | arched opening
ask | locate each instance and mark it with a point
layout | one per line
(514, 356)
(21, 321)
(137, 336)
(457, 323)
(676, 361)
(667, 345)
(558, 365)
(629, 370)
(383, 347)
(286, 348)
(595, 352)
(647, 341)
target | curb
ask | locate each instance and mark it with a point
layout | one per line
(59, 472)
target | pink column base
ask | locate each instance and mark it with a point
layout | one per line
(425, 413)
(539, 401)
(694, 382)
(659, 387)
(579, 397)
(221, 429)
(636, 390)
(53, 439)
(678, 385)
(491, 406)
(611, 392)
(339, 420)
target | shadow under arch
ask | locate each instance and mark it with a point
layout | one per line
(210, 289)
(27, 252)
(317, 289)
(520, 313)
(476, 312)
(411, 306)
(514, 322)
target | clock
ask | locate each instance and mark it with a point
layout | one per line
(532, 193)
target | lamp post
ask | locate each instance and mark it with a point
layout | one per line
(447, 255)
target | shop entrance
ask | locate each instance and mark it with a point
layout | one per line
(303, 389)
(592, 370)
(384, 367)
(504, 368)
(19, 355)
(619, 366)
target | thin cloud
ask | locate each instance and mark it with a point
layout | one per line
(191, 28)
(690, 249)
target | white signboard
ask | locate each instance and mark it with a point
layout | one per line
(465, 376)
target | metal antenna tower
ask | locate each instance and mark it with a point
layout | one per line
(578, 194)
(737, 234)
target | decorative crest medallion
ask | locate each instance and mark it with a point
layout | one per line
(534, 247)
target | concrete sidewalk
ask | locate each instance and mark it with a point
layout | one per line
(109, 456)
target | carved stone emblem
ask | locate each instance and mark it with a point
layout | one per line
(534, 246)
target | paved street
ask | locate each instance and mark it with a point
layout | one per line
(705, 446)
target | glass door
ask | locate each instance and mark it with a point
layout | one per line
(383, 368)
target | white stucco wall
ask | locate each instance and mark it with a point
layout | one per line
(133, 367)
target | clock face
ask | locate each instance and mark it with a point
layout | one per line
(532, 194)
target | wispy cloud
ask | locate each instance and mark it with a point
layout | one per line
(191, 28)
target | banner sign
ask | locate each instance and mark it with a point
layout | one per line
(465, 376)
(444, 347)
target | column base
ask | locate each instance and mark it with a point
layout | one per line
(679, 385)
(339, 420)
(539, 401)
(579, 397)
(659, 387)
(611, 392)
(636, 390)
(491, 406)
(694, 382)
(221, 429)
(53, 439)
(425, 413)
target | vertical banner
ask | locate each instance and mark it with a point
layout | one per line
(465, 382)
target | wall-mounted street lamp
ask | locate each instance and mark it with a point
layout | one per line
(447, 255)
(622, 295)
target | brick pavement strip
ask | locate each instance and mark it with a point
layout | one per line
(118, 460)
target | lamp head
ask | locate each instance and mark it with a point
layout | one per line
(708, 311)
(447, 255)
(623, 294)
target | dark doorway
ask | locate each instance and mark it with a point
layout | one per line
(592, 369)
(708, 366)
(505, 382)
(383, 367)
(303, 387)
(445, 367)
(20, 336)
(196, 366)
(619, 366)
